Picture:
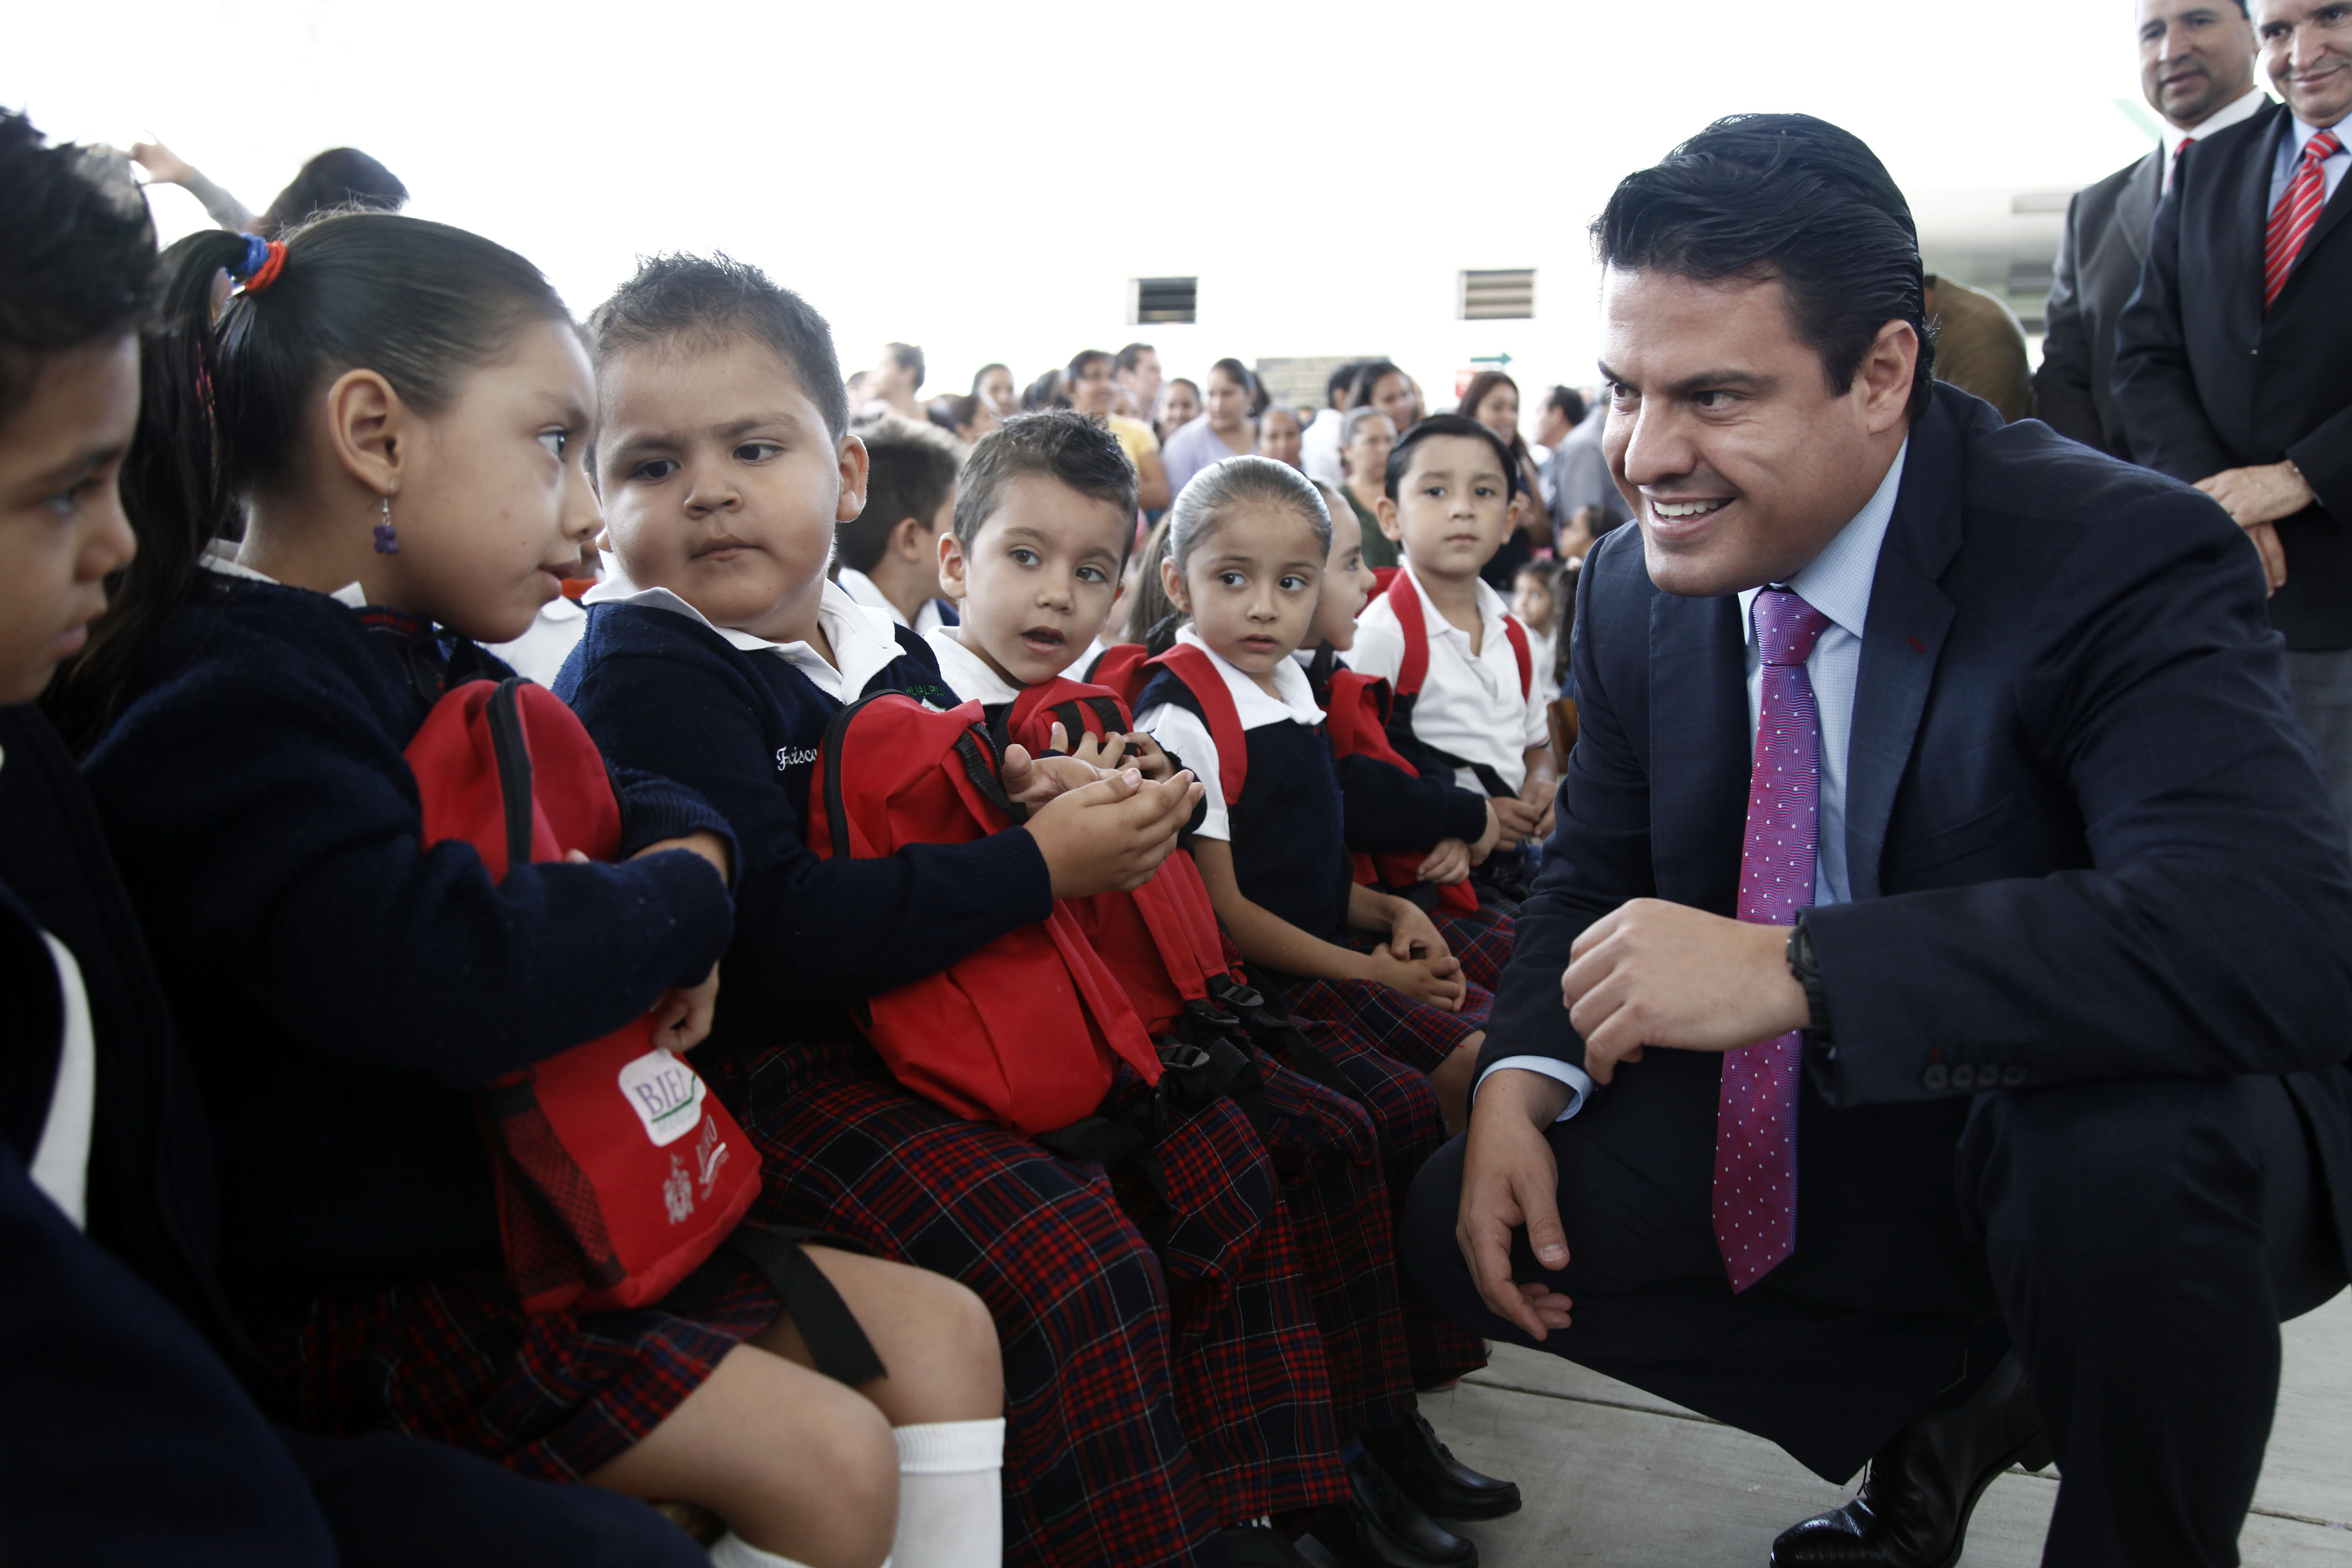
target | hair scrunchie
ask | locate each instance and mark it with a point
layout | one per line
(264, 259)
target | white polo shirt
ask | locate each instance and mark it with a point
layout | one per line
(1470, 704)
(969, 676)
(1179, 730)
(862, 639)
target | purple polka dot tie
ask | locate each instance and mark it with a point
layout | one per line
(1756, 1114)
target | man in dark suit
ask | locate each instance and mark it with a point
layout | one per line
(2197, 70)
(2051, 1092)
(2233, 363)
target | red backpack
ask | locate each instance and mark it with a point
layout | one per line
(1415, 666)
(618, 1172)
(1356, 720)
(1027, 1032)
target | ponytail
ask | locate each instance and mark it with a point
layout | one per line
(226, 398)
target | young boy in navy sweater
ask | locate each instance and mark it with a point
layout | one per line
(724, 465)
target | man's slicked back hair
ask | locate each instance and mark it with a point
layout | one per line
(79, 265)
(910, 470)
(1063, 444)
(1758, 196)
(703, 301)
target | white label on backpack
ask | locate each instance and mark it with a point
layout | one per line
(666, 1095)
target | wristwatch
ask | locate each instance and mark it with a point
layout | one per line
(1808, 971)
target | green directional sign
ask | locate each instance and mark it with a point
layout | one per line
(1490, 359)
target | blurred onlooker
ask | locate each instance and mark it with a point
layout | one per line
(2233, 361)
(1221, 431)
(1563, 411)
(1980, 346)
(1090, 389)
(1319, 449)
(1382, 385)
(1536, 589)
(336, 178)
(1045, 393)
(1279, 434)
(1492, 399)
(2197, 70)
(887, 556)
(895, 380)
(1580, 477)
(1180, 405)
(855, 387)
(964, 416)
(1138, 377)
(993, 384)
(1365, 436)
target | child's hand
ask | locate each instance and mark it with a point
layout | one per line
(1436, 981)
(1112, 833)
(163, 165)
(1154, 763)
(710, 846)
(682, 1018)
(1033, 780)
(1413, 935)
(1110, 752)
(1448, 862)
(1488, 839)
(1518, 818)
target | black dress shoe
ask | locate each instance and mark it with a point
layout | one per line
(1443, 1485)
(1921, 1487)
(1380, 1527)
(1255, 1546)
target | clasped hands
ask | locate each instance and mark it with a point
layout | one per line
(2257, 498)
(1100, 827)
(1648, 974)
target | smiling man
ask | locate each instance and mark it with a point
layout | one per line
(1936, 987)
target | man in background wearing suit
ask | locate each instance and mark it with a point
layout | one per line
(2197, 69)
(2052, 1090)
(2234, 363)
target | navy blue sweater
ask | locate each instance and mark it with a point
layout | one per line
(340, 987)
(812, 935)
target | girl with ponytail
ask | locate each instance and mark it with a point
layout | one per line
(364, 462)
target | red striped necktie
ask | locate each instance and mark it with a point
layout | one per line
(2298, 210)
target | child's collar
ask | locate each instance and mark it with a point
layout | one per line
(969, 676)
(862, 640)
(220, 556)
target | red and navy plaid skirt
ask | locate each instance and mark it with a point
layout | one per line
(458, 1361)
(1096, 1465)
(1481, 939)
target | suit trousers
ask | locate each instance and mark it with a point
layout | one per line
(2139, 1240)
(2320, 684)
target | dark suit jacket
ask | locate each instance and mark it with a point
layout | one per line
(2086, 838)
(2206, 380)
(2098, 271)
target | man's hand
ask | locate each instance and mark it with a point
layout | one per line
(1509, 1179)
(682, 1018)
(1650, 973)
(1113, 833)
(2262, 493)
(1448, 862)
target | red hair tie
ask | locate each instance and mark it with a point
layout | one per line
(263, 276)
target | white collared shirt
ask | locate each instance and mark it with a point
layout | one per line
(862, 638)
(969, 676)
(1837, 582)
(861, 587)
(2221, 119)
(220, 556)
(2290, 153)
(1179, 730)
(538, 654)
(1471, 705)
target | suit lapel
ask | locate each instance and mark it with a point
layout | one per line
(1909, 616)
(1699, 749)
(2135, 207)
(2246, 231)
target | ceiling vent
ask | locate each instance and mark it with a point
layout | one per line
(1499, 296)
(1154, 301)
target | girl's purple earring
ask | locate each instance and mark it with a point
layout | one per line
(386, 541)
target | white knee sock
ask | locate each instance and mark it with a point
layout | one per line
(950, 1495)
(734, 1551)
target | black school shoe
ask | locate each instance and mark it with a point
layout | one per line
(1921, 1487)
(1380, 1527)
(1443, 1485)
(1255, 1546)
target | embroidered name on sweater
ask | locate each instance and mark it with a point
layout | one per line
(795, 757)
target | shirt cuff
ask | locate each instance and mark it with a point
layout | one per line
(1579, 1081)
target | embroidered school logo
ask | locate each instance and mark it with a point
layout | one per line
(678, 1193)
(665, 1093)
(938, 699)
(795, 757)
(710, 1154)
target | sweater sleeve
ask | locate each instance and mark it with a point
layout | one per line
(219, 206)
(1390, 809)
(272, 834)
(810, 929)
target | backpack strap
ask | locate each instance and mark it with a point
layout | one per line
(1518, 635)
(1414, 665)
(1191, 665)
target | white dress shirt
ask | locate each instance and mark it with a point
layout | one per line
(969, 676)
(1836, 583)
(2221, 119)
(1319, 449)
(1179, 730)
(2290, 154)
(1471, 704)
(862, 638)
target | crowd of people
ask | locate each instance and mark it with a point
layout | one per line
(1090, 870)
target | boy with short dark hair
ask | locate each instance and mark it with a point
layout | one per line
(723, 650)
(886, 557)
(1478, 708)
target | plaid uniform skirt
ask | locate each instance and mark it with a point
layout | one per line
(1481, 939)
(1385, 1044)
(458, 1361)
(1097, 1467)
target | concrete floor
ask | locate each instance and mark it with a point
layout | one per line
(1616, 1478)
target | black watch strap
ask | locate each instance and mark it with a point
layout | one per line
(1808, 971)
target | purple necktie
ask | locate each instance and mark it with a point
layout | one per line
(1756, 1115)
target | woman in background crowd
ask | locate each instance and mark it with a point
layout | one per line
(1365, 437)
(1280, 436)
(337, 178)
(1493, 400)
(1180, 405)
(1221, 431)
(1092, 389)
(995, 387)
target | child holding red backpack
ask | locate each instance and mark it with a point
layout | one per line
(396, 412)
